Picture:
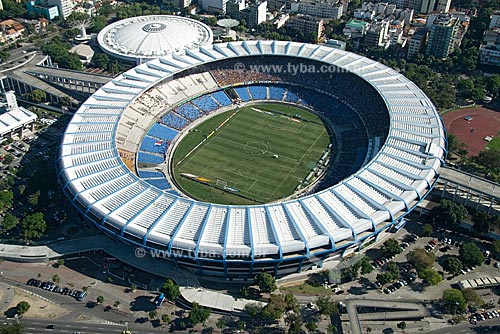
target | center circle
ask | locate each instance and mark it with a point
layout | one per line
(154, 27)
(256, 148)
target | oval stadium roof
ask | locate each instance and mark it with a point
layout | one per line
(348, 213)
(147, 37)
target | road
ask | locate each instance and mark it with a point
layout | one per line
(38, 326)
(490, 326)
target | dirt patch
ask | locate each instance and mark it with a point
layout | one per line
(39, 308)
(484, 122)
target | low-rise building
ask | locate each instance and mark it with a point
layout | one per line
(11, 30)
(355, 29)
(13, 118)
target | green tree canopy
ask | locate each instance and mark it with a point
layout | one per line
(9, 222)
(448, 213)
(421, 259)
(6, 197)
(427, 230)
(430, 276)
(452, 265)
(22, 307)
(266, 282)
(454, 301)
(33, 226)
(326, 306)
(484, 223)
(472, 297)
(471, 255)
(171, 290)
(391, 247)
(198, 314)
(15, 328)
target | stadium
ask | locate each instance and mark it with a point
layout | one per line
(119, 154)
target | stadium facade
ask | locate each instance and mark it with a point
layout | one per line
(107, 171)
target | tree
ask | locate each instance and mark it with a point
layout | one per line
(116, 304)
(490, 158)
(221, 324)
(454, 301)
(100, 299)
(7, 160)
(326, 306)
(153, 314)
(276, 306)
(198, 314)
(6, 197)
(391, 247)
(38, 95)
(430, 276)
(171, 290)
(420, 258)
(448, 213)
(266, 282)
(385, 278)
(484, 223)
(15, 328)
(427, 230)
(133, 287)
(34, 198)
(60, 262)
(471, 255)
(332, 329)
(311, 326)
(294, 322)
(33, 226)
(101, 60)
(22, 307)
(452, 265)
(56, 278)
(366, 266)
(402, 325)
(454, 145)
(393, 269)
(9, 222)
(495, 246)
(165, 318)
(472, 297)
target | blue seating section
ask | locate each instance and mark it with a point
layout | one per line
(243, 93)
(174, 121)
(222, 98)
(258, 92)
(276, 93)
(160, 131)
(159, 183)
(149, 158)
(205, 103)
(150, 144)
(188, 110)
(146, 174)
(291, 97)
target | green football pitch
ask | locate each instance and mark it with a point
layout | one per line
(260, 154)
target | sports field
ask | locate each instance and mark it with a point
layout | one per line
(260, 154)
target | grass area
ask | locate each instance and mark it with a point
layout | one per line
(307, 289)
(261, 153)
(494, 144)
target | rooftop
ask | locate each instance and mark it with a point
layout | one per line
(153, 36)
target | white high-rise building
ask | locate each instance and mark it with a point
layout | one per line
(427, 6)
(10, 99)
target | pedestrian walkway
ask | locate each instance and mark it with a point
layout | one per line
(189, 285)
